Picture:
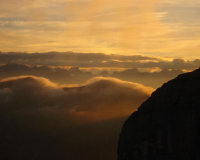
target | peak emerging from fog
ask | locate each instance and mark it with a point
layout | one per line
(74, 70)
(130, 71)
(75, 75)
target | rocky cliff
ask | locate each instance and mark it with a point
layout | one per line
(167, 125)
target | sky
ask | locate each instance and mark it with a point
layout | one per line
(167, 29)
(51, 113)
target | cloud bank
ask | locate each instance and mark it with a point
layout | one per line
(42, 120)
(98, 99)
(97, 60)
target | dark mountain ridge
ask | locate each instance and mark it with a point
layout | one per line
(167, 125)
(76, 76)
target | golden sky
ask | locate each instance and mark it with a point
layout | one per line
(162, 28)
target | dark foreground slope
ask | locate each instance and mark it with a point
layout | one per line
(167, 125)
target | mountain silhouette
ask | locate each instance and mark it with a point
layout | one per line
(167, 125)
(14, 67)
(76, 76)
(75, 70)
(104, 74)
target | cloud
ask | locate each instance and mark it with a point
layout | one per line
(148, 26)
(55, 57)
(99, 99)
(42, 120)
(89, 60)
(90, 26)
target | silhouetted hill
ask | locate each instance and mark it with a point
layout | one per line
(75, 76)
(104, 74)
(130, 71)
(173, 72)
(127, 72)
(155, 79)
(167, 125)
(14, 67)
(74, 70)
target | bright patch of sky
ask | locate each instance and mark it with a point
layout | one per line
(148, 27)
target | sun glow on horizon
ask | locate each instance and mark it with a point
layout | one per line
(148, 27)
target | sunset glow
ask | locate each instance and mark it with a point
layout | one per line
(148, 27)
(87, 79)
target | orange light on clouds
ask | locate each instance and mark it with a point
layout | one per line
(148, 27)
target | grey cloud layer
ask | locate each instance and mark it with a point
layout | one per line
(96, 60)
(70, 56)
(100, 98)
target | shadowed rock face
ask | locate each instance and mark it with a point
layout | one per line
(167, 125)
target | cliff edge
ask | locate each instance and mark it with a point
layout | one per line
(167, 125)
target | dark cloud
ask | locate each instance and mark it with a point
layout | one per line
(69, 56)
(95, 60)
(42, 120)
